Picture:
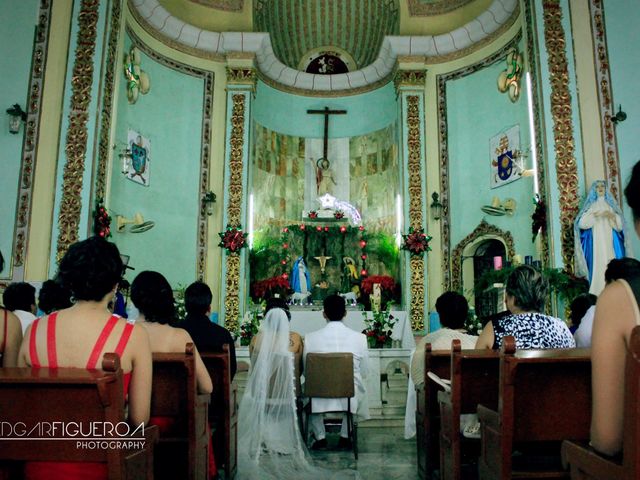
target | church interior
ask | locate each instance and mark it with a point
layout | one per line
(386, 150)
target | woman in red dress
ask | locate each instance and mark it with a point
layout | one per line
(79, 336)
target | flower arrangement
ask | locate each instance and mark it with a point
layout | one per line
(416, 241)
(387, 284)
(538, 218)
(472, 324)
(101, 220)
(232, 239)
(378, 328)
(263, 289)
(248, 328)
(178, 301)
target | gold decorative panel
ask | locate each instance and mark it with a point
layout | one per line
(76, 139)
(409, 78)
(605, 96)
(561, 111)
(234, 207)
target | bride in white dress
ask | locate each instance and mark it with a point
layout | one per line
(270, 444)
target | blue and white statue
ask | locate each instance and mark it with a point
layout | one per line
(600, 236)
(300, 281)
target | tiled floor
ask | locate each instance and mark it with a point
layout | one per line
(383, 454)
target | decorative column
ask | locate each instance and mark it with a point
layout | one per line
(240, 88)
(410, 88)
(564, 142)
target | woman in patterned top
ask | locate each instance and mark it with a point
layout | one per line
(525, 296)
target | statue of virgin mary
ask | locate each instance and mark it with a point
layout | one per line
(300, 281)
(600, 236)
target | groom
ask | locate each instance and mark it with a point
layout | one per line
(337, 337)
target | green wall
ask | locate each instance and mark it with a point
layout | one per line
(287, 113)
(16, 44)
(170, 115)
(476, 111)
(623, 40)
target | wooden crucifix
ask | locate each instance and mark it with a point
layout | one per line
(326, 112)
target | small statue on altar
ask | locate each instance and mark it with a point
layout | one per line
(376, 297)
(350, 276)
(300, 280)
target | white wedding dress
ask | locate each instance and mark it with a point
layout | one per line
(270, 444)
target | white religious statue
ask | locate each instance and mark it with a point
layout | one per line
(600, 236)
(324, 177)
(300, 281)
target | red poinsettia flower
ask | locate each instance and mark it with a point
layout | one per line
(416, 242)
(232, 239)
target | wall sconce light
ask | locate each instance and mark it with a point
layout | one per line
(138, 223)
(617, 118)
(16, 117)
(207, 202)
(436, 207)
(125, 158)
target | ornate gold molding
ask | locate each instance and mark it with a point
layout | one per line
(241, 76)
(484, 229)
(234, 208)
(442, 80)
(605, 96)
(107, 101)
(32, 132)
(564, 143)
(205, 154)
(76, 141)
(414, 170)
(409, 78)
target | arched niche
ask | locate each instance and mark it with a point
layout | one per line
(477, 243)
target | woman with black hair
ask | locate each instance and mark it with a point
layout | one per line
(79, 336)
(526, 292)
(616, 315)
(153, 297)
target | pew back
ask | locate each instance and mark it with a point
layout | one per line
(59, 413)
(474, 380)
(427, 411)
(223, 410)
(181, 415)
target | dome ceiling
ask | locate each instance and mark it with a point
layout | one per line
(298, 27)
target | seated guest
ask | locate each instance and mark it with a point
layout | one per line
(618, 268)
(453, 310)
(153, 297)
(295, 340)
(337, 337)
(526, 292)
(10, 338)
(616, 315)
(20, 298)
(53, 296)
(205, 334)
(80, 335)
(582, 309)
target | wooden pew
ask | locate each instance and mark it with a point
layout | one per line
(223, 410)
(72, 396)
(545, 397)
(182, 416)
(584, 462)
(474, 380)
(428, 413)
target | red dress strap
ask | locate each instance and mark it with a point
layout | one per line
(4, 339)
(33, 351)
(124, 339)
(52, 355)
(102, 339)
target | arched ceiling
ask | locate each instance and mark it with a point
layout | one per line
(156, 17)
(299, 26)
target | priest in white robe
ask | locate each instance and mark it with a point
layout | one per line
(337, 337)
